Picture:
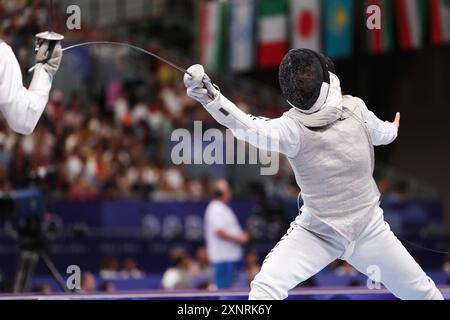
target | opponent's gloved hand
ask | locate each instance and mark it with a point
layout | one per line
(199, 85)
(49, 55)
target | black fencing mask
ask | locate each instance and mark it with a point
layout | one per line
(305, 79)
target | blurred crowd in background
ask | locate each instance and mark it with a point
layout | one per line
(110, 135)
(114, 141)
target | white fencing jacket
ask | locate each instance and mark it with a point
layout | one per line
(333, 165)
(21, 107)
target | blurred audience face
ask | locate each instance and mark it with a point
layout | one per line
(222, 191)
(88, 282)
(108, 287)
(201, 257)
(251, 258)
(110, 263)
(180, 259)
(43, 288)
(129, 264)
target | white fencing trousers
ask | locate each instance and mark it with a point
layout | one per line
(310, 245)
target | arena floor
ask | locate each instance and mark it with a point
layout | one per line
(332, 293)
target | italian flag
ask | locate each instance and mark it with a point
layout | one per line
(440, 21)
(212, 35)
(411, 16)
(272, 32)
(380, 41)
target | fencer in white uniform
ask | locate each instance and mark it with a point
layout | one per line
(22, 107)
(329, 140)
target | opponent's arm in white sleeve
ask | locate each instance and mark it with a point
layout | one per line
(278, 135)
(381, 132)
(23, 107)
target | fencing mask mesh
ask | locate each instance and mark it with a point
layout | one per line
(302, 75)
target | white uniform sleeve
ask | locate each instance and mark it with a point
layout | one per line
(278, 135)
(22, 108)
(381, 132)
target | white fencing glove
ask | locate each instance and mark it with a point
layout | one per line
(199, 85)
(49, 55)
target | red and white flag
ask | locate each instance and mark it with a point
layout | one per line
(411, 17)
(305, 24)
(440, 21)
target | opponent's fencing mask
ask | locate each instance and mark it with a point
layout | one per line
(305, 79)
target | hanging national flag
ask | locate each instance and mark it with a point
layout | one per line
(212, 35)
(242, 34)
(440, 21)
(272, 32)
(411, 17)
(305, 24)
(382, 40)
(339, 27)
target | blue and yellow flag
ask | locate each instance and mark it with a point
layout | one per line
(338, 27)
